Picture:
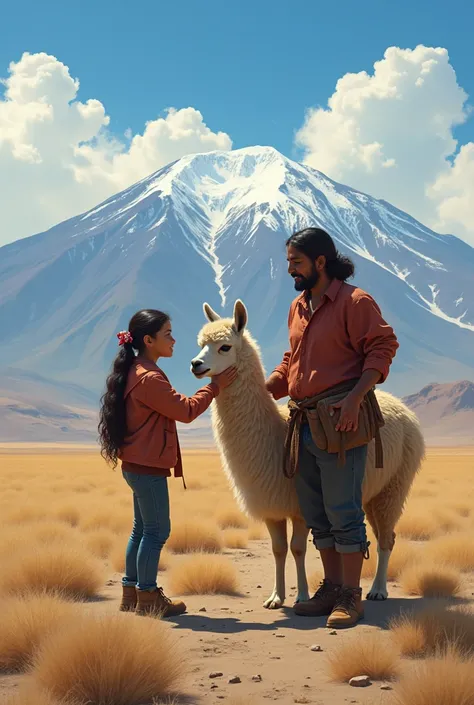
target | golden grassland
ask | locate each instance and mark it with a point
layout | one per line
(65, 519)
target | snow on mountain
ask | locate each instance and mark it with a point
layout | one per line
(212, 227)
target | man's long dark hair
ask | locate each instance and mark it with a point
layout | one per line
(314, 242)
(112, 421)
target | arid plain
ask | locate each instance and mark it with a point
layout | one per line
(65, 517)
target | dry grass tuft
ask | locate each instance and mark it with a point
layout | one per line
(463, 508)
(431, 580)
(116, 521)
(445, 680)
(47, 531)
(235, 538)
(257, 532)
(232, 519)
(26, 623)
(100, 542)
(456, 549)
(27, 513)
(433, 630)
(69, 513)
(189, 537)
(447, 519)
(57, 568)
(417, 524)
(28, 694)
(110, 660)
(371, 654)
(204, 575)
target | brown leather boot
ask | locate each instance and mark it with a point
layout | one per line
(322, 603)
(129, 599)
(348, 609)
(157, 604)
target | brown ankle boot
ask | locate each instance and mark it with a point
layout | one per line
(348, 609)
(129, 599)
(157, 604)
(322, 603)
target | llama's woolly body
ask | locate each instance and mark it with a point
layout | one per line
(250, 429)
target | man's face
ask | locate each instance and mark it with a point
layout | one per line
(302, 269)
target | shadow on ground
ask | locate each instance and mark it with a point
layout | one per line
(377, 614)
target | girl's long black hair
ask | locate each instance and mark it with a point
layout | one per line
(112, 421)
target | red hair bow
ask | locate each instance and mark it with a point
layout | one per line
(124, 337)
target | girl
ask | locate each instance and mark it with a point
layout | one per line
(137, 425)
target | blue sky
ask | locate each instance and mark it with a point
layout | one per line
(253, 70)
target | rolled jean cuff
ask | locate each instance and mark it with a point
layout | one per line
(324, 543)
(352, 547)
(129, 583)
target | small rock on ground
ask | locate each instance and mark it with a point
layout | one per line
(235, 679)
(385, 687)
(316, 647)
(257, 679)
(360, 681)
(215, 674)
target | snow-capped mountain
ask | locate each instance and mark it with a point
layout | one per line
(211, 227)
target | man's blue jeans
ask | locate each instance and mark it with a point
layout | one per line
(151, 529)
(330, 496)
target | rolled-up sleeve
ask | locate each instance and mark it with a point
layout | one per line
(158, 394)
(277, 382)
(371, 335)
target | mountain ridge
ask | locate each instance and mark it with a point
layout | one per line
(212, 227)
(445, 411)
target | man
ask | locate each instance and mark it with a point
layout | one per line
(337, 334)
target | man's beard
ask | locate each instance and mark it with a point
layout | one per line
(307, 283)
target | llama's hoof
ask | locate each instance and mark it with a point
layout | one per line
(273, 603)
(377, 595)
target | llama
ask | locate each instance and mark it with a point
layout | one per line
(250, 428)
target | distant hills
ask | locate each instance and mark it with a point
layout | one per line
(446, 412)
(37, 411)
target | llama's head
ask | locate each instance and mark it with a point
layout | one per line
(220, 341)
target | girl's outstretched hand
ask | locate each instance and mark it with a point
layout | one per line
(225, 379)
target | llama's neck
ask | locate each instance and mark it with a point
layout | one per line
(246, 405)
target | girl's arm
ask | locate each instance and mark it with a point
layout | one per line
(157, 393)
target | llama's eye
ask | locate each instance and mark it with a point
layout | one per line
(225, 348)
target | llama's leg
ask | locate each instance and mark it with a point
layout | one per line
(298, 545)
(385, 510)
(379, 591)
(277, 531)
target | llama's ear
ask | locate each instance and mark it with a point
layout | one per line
(240, 316)
(210, 314)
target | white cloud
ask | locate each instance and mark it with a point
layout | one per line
(390, 134)
(57, 156)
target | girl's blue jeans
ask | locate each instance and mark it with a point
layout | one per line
(151, 529)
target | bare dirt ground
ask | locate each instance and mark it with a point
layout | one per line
(69, 500)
